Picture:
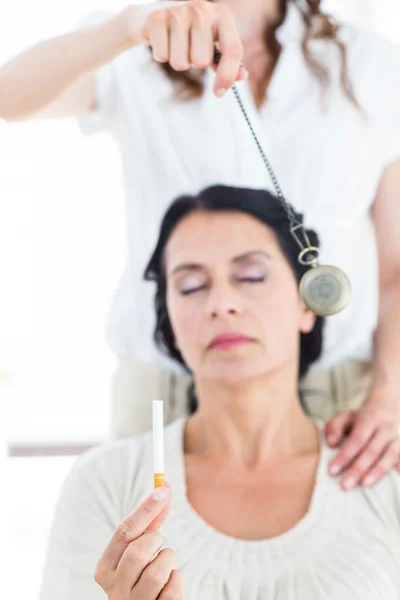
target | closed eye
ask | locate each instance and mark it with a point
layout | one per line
(192, 291)
(242, 280)
(253, 279)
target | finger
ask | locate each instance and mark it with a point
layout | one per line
(179, 24)
(156, 575)
(201, 49)
(143, 15)
(370, 454)
(158, 35)
(159, 520)
(132, 527)
(388, 459)
(231, 50)
(353, 446)
(337, 427)
(174, 588)
(134, 560)
(243, 74)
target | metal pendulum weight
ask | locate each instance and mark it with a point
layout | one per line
(324, 289)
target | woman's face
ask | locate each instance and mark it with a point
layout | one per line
(227, 276)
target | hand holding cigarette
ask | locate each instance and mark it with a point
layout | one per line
(132, 568)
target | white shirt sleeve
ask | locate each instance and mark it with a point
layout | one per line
(392, 141)
(101, 117)
(85, 519)
(390, 105)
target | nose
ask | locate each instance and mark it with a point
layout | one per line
(223, 300)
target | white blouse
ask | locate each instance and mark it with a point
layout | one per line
(346, 547)
(328, 164)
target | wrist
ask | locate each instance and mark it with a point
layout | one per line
(385, 397)
(119, 33)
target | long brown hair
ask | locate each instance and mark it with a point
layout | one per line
(189, 84)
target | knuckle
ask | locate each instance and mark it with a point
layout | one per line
(126, 532)
(159, 571)
(360, 436)
(201, 62)
(160, 56)
(99, 574)
(203, 5)
(199, 10)
(157, 18)
(139, 555)
(234, 51)
(179, 65)
(367, 457)
(158, 539)
(179, 14)
(196, 8)
(168, 555)
(158, 576)
(145, 510)
(223, 10)
(154, 538)
(354, 446)
(142, 550)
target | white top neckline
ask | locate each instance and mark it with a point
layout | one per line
(346, 547)
(317, 509)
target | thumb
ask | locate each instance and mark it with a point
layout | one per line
(159, 520)
(337, 427)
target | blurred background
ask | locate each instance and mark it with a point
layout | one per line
(62, 250)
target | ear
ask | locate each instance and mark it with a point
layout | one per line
(307, 319)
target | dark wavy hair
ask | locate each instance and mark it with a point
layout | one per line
(263, 206)
(317, 25)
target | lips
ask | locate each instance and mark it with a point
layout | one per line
(229, 340)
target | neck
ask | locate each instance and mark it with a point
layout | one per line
(250, 425)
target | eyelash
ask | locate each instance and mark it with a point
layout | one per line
(244, 280)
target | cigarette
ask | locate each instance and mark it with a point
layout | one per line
(158, 443)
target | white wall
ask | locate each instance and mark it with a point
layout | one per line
(381, 16)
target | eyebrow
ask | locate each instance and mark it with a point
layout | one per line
(236, 259)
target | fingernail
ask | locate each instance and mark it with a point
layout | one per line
(221, 92)
(160, 493)
(349, 483)
(369, 480)
(334, 469)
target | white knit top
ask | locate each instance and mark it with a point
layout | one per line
(347, 546)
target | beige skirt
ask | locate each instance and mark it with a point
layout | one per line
(135, 385)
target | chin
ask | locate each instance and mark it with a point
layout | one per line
(237, 372)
